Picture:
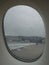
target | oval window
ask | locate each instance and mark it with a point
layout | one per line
(24, 33)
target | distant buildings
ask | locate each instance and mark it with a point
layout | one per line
(25, 39)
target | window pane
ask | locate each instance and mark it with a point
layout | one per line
(24, 33)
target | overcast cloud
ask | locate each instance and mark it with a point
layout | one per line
(23, 21)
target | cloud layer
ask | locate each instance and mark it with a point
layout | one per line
(23, 21)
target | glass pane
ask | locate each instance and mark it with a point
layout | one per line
(24, 33)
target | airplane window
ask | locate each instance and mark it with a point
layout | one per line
(24, 33)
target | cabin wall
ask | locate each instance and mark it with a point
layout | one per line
(42, 6)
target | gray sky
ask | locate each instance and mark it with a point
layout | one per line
(23, 21)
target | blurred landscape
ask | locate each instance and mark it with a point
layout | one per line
(26, 47)
(21, 41)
